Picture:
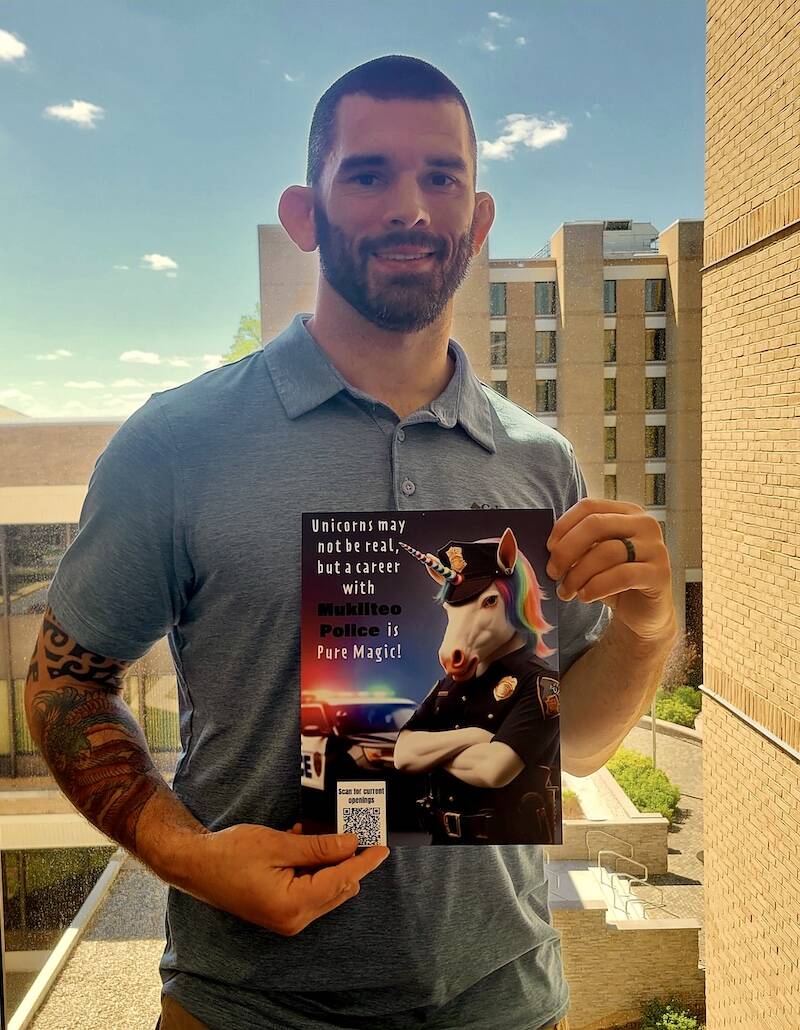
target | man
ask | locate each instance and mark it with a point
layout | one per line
(191, 527)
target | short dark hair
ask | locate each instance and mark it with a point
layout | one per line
(394, 77)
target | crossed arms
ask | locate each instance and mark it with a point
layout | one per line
(468, 753)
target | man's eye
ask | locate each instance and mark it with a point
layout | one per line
(371, 175)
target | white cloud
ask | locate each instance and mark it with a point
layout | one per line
(159, 262)
(140, 357)
(81, 112)
(520, 40)
(11, 48)
(529, 130)
(293, 78)
(54, 355)
(87, 384)
(122, 268)
(502, 20)
(487, 44)
(13, 394)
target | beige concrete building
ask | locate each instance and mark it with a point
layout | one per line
(600, 339)
(751, 515)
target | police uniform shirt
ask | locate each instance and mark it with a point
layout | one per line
(517, 698)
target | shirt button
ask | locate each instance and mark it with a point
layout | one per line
(456, 727)
(451, 799)
(490, 716)
(463, 698)
(408, 487)
(401, 435)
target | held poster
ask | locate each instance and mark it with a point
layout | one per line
(429, 687)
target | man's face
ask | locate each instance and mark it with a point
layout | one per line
(405, 199)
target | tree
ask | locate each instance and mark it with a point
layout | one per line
(247, 338)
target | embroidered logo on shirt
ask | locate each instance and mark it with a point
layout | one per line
(547, 688)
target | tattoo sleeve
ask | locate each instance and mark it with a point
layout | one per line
(91, 741)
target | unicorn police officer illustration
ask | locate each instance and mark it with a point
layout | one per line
(487, 733)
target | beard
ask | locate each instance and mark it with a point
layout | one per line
(398, 301)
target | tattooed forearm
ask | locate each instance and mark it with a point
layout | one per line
(87, 734)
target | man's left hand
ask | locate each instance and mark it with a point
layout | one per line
(586, 550)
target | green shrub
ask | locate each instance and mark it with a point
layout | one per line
(647, 787)
(690, 696)
(672, 709)
(669, 1015)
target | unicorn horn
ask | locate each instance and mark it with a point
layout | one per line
(434, 563)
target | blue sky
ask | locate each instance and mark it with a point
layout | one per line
(141, 143)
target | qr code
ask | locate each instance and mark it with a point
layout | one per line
(361, 809)
(365, 823)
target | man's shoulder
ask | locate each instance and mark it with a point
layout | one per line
(523, 426)
(524, 666)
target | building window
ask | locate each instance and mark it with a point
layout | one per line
(610, 395)
(545, 298)
(497, 355)
(497, 299)
(655, 348)
(655, 393)
(610, 296)
(500, 386)
(655, 489)
(545, 347)
(546, 395)
(655, 295)
(610, 342)
(611, 442)
(655, 441)
(610, 488)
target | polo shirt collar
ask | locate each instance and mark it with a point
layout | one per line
(304, 378)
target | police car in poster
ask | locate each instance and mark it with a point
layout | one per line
(429, 707)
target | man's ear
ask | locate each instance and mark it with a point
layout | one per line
(296, 213)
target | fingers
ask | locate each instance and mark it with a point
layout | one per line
(329, 887)
(606, 555)
(316, 849)
(589, 506)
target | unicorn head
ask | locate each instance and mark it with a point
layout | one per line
(492, 599)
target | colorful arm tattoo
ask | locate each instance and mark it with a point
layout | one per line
(87, 734)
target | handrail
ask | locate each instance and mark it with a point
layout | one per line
(626, 858)
(605, 833)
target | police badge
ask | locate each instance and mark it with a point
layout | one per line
(456, 556)
(505, 688)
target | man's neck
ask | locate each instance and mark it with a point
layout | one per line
(405, 371)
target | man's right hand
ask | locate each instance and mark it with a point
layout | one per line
(281, 881)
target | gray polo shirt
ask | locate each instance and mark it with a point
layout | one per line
(191, 529)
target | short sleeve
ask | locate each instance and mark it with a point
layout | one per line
(580, 625)
(124, 580)
(525, 729)
(423, 716)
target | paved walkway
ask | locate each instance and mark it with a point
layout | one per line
(682, 761)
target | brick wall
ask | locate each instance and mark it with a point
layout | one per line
(751, 525)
